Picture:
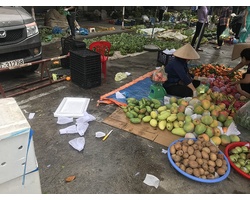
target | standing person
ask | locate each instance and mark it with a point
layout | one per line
(246, 25)
(161, 10)
(71, 17)
(202, 17)
(237, 21)
(179, 81)
(224, 14)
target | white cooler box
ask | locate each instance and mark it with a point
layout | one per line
(15, 186)
(14, 141)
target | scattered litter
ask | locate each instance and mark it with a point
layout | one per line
(82, 127)
(150, 146)
(31, 115)
(151, 180)
(72, 107)
(99, 134)
(107, 135)
(120, 76)
(48, 166)
(164, 151)
(232, 130)
(64, 120)
(128, 73)
(85, 118)
(119, 95)
(78, 143)
(137, 173)
(25, 111)
(69, 129)
(70, 178)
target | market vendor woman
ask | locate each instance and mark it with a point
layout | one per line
(243, 85)
(180, 82)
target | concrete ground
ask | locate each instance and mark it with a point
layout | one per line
(118, 165)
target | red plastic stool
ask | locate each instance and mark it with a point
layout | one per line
(102, 47)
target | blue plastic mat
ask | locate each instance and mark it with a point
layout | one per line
(139, 90)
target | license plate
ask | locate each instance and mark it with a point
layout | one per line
(11, 63)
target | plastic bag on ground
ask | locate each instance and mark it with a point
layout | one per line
(242, 116)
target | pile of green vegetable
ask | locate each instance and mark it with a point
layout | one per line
(128, 43)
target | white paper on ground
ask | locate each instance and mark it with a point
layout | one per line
(119, 95)
(64, 120)
(85, 118)
(232, 130)
(100, 134)
(31, 115)
(68, 130)
(78, 143)
(128, 73)
(151, 180)
(164, 151)
(82, 127)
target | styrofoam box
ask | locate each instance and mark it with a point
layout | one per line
(31, 185)
(14, 139)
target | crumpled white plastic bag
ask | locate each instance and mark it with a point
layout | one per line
(78, 143)
(68, 130)
(119, 95)
(232, 130)
(82, 127)
(64, 120)
(85, 118)
(151, 180)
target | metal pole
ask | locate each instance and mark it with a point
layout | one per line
(123, 13)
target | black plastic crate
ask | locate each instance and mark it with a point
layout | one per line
(71, 44)
(85, 61)
(65, 62)
(86, 81)
(163, 58)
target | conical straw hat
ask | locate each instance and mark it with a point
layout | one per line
(238, 49)
(186, 52)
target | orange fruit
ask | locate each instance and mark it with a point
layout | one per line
(68, 78)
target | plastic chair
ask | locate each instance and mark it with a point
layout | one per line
(102, 47)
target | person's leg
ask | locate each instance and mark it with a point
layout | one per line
(237, 30)
(71, 20)
(161, 14)
(202, 33)
(197, 32)
(179, 90)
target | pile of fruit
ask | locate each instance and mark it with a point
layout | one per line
(188, 117)
(199, 158)
(214, 70)
(240, 156)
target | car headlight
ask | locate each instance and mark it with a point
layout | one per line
(31, 29)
